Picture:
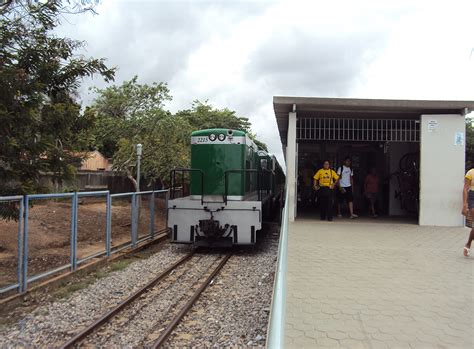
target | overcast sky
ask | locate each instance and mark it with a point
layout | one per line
(239, 54)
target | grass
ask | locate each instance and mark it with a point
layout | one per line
(76, 285)
(120, 264)
(68, 290)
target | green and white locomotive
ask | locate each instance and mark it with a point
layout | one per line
(232, 186)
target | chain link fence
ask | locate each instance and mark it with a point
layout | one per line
(92, 217)
(160, 211)
(121, 221)
(44, 234)
(48, 233)
(145, 222)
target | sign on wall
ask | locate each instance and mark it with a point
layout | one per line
(459, 138)
(432, 125)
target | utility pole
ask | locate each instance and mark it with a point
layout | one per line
(137, 199)
(139, 157)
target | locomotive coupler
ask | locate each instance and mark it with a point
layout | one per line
(211, 228)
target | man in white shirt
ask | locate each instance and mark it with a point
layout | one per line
(346, 173)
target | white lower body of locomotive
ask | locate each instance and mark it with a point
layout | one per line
(213, 222)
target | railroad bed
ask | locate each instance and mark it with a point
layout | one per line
(233, 310)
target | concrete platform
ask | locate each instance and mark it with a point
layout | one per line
(357, 284)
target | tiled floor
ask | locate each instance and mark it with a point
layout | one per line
(378, 285)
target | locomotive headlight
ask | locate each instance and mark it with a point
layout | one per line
(221, 137)
(212, 137)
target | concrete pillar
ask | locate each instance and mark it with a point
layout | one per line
(291, 175)
(442, 161)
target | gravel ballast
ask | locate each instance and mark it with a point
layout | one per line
(233, 310)
(132, 326)
(52, 323)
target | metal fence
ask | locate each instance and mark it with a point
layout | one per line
(346, 129)
(44, 234)
(12, 208)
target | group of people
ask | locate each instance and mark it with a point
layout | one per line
(326, 182)
(329, 183)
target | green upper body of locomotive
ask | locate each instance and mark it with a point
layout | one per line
(221, 153)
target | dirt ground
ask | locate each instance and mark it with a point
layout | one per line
(50, 232)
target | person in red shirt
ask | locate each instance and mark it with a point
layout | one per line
(371, 190)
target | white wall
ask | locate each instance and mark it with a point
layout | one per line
(441, 170)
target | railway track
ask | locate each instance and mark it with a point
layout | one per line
(127, 312)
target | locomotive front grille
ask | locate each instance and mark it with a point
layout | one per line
(211, 228)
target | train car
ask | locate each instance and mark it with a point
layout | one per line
(232, 186)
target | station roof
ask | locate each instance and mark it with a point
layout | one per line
(361, 108)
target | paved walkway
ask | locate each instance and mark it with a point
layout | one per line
(379, 285)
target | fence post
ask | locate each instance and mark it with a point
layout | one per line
(74, 232)
(108, 220)
(134, 219)
(167, 197)
(24, 283)
(20, 245)
(152, 214)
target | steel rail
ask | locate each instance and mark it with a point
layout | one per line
(99, 322)
(172, 325)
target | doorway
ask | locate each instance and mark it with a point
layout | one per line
(390, 147)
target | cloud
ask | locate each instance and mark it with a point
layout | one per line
(151, 39)
(428, 56)
(286, 49)
(311, 56)
(239, 54)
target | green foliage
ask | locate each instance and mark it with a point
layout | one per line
(165, 146)
(134, 113)
(259, 144)
(131, 100)
(122, 112)
(41, 128)
(203, 116)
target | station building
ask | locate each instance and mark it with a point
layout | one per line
(416, 146)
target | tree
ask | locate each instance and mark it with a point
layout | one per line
(134, 113)
(202, 115)
(122, 112)
(165, 146)
(41, 127)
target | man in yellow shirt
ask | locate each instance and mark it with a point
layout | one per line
(468, 206)
(325, 181)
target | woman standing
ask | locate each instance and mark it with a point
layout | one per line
(468, 206)
(325, 181)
